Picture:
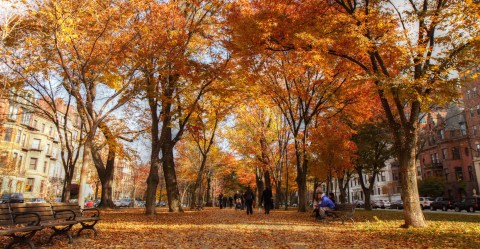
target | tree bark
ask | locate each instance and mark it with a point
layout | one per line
(152, 183)
(83, 176)
(411, 203)
(168, 164)
(259, 182)
(343, 189)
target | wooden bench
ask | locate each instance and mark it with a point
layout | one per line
(86, 217)
(18, 227)
(60, 226)
(343, 212)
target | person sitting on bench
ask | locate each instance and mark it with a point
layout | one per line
(324, 205)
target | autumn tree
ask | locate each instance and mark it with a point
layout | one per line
(333, 153)
(375, 147)
(408, 50)
(176, 39)
(83, 45)
(303, 83)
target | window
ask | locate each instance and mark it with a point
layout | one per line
(459, 174)
(470, 173)
(444, 153)
(468, 94)
(8, 135)
(12, 111)
(29, 185)
(383, 177)
(442, 134)
(466, 151)
(43, 128)
(395, 176)
(18, 137)
(455, 153)
(42, 187)
(45, 166)
(50, 131)
(26, 117)
(471, 112)
(474, 130)
(36, 144)
(378, 191)
(48, 149)
(35, 124)
(33, 163)
(3, 158)
(463, 129)
(20, 160)
(478, 109)
(477, 148)
(432, 157)
(436, 158)
(24, 139)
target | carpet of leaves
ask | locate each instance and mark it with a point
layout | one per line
(214, 228)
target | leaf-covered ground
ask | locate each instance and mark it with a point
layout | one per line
(214, 228)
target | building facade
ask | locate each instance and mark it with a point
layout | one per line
(446, 151)
(30, 150)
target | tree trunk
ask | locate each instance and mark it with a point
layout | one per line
(107, 182)
(278, 194)
(196, 193)
(411, 202)
(368, 205)
(343, 189)
(209, 186)
(83, 176)
(302, 188)
(152, 183)
(259, 182)
(66, 189)
(174, 204)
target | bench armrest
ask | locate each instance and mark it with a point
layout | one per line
(32, 223)
(55, 212)
(96, 210)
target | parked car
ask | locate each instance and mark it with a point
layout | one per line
(12, 198)
(469, 204)
(126, 203)
(442, 203)
(161, 204)
(380, 204)
(88, 204)
(360, 203)
(425, 202)
(375, 204)
(38, 200)
(386, 204)
(396, 205)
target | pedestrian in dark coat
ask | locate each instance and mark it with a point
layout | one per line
(249, 196)
(220, 200)
(267, 200)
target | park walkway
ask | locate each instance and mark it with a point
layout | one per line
(227, 228)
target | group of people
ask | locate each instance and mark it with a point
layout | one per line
(324, 203)
(247, 200)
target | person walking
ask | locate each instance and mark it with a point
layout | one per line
(267, 200)
(220, 200)
(249, 196)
